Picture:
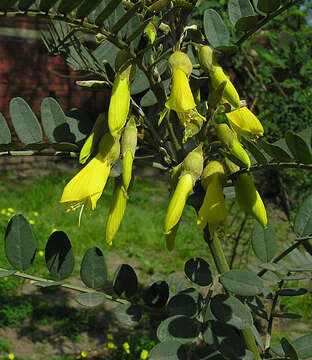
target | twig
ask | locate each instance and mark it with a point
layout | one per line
(241, 228)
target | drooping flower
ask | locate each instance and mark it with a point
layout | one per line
(120, 98)
(116, 211)
(86, 187)
(181, 99)
(216, 74)
(128, 147)
(191, 169)
(213, 209)
(249, 199)
(244, 122)
(231, 144)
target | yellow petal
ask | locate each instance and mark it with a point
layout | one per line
(127, 169)
(243, 122)
(170, 238)
(116, 211)
(119, 105)
(181, 98)
(88, 184)
(177, 202)
(249, 199)
(213, 209)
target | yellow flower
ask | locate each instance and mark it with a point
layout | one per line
(3, 212)
(119, 104)
(111, 345)
(181, 98)
(110, 336)
(11, 210)
(41, 253)
(84, 354)
(249, 199)
(116, 211)
(244, 122)
(87, 186)
(231, 144)
(144, 354)
(35, 213)
(31, 222)
(126, 347)
(128, 147)
(213, 209)
(11, 356)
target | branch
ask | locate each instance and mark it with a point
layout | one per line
(268, 18)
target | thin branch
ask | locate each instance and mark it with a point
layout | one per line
(268, 18)
(241, 228)
(67, 154)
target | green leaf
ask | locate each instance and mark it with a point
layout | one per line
(46, 5)
(247, 23)
(257, 307)
(148, 99)
(242, 282)
(276, 152)
(157, 294)
(5, 134)
(54, 122)
(231, 311)
(140, 82)
(239, 9)
(125, 281)
(287, 315)
(109, 8)
(291, 292)
(187, 302)
(90, 299)
(303, 219)
(93, 271)
(4, 273)
(128, 314)
(179, 328)
(289, 350)
(87, 7)
(66, 6)
(80, 123)
(7, 4)
(134, 34)
(254, 150)
(303, 346)
(125, 18)
(106, 52)
(25, 4)
(25, 122)
(298, 147)
(59, 255)
(19, 243)
(215, 29)
(198, 271)
(268, 6)
(224, 338)
(264, 242)
(168, 350)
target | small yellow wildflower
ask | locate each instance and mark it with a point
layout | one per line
(144, 354)
(11, 356)
(111, 345)
(126, 347)
(35, 213)
(3, 212)
(110, 336)
(41, 253)
(31, 222)
(5, 278)
(11, 210)
(83, 354)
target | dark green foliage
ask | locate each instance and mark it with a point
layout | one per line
(264, 242)
(125, 281)
(93, 271)
(303, 220)
(198, 271)
(59, 255)
(242, 282)
(19, 242)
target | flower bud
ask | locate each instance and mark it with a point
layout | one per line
(179, 60)
(244, 122)
(249, 199)
(116, 211)
(193, 163)
(150, 32)
(177, 202)
(206, 58)
(109, 148)
(231, 144)
(213, 169)
(128, 146)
